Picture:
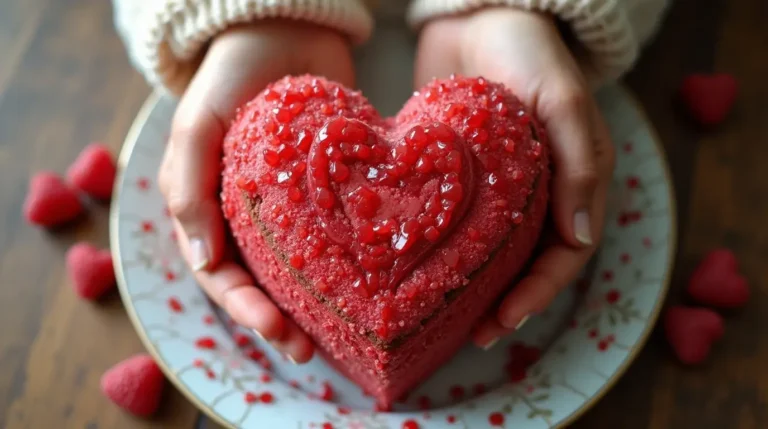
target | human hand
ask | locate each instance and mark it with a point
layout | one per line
(525, 51)
(239, 63)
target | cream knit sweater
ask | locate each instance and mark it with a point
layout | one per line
(165, 37)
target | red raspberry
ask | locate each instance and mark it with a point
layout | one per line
(135, 385)
(93, 172)
(91, 270)
(50, 202)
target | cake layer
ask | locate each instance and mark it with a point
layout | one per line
(387, 374)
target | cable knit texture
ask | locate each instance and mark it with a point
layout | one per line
(165, 37)
(611, 31)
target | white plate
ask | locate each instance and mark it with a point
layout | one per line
(586, 340)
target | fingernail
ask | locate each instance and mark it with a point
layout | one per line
(198, 253)
(489, 345)
(258, 334)
(522, 322)
(582, 228)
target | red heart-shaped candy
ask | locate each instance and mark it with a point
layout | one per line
(716, 281)
(692, 331)
(709, 98)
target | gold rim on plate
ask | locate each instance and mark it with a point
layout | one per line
(129, 144)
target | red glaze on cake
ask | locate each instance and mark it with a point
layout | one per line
(385, 239)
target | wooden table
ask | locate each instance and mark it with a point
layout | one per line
(65, 80)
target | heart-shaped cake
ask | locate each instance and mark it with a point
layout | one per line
(385, 239)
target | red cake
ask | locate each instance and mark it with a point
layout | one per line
(385, 239)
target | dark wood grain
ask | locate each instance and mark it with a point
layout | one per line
(65, 80)
(722, 191)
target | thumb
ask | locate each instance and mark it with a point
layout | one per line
(229, 75)
(192, 180)
(332, 59)
(436, 53)
(567, 115)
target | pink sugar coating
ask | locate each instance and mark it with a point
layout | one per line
(343, 322)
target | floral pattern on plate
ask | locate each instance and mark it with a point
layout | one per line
(543, 376)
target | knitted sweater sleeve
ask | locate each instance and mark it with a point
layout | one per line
(610, 32)
(165, 38)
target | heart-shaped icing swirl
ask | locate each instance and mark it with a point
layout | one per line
(388, 202)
